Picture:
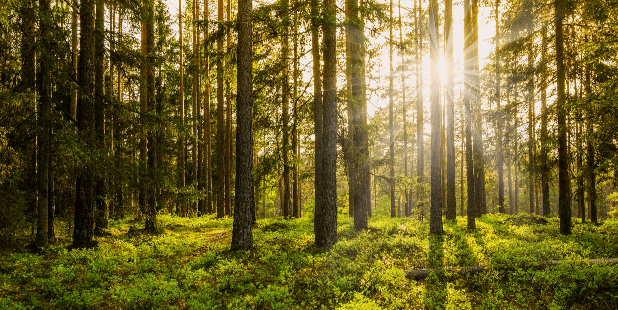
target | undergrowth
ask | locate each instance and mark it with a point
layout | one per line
(188, 265)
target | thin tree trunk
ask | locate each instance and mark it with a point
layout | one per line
(285, 101)
(590, 161)
(195, 90)
(73, 107)
(181, 206)
(101, 212)
(451, 203)
(207, 129)
(151, 206)
(468, 67)
(220, 146)
(544, 135)
(242, 238)
(44, 130)
(564, 199)
(500, 122)
(201, 179)
(420, 124)
(404, 113)
(391, 125)
(531, 113)
(295, 134)
(478, 148)
(229, 151)
(317, 110)
(435, 224)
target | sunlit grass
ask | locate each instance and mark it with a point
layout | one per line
(188, 265)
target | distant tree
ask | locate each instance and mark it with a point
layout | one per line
(451, 203)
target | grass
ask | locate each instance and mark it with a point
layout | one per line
(188, 265)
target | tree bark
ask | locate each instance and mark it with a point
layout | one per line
(44, 130)
(317, 105)
(229, 150)
(435, 224)
(499, 112)
(544, 135)
(181, 206)
(285, 103)
(468, 67)
(220, 146)
(325, 225)
(151, 206)
(101, 212)
(391, 125)
(420, 123)
(242, 238)
(564, 198)
(84, 198)
(207, 129)
(451, 203)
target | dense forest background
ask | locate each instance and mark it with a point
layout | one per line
(113, 109)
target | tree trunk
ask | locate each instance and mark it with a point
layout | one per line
(151, 207)
(317, 110)
(391, 125)
(531, 112)
(285, 102)
(420, 124)
(451, 203)
(326, 215)
(229, 151)
(358, 126)
(207, 129)
(84, 198)
(404, 113)
(242, 239)
(499, 113)
(590, 161)
(44, 130)
(468, 67)
(480, 204)
(181, 206)
(545, 175)
(220, 146)
(435, 224)
(73, 107)
(295, 134)
(101, 212)
(564, 199)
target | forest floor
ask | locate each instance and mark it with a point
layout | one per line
(188, 265)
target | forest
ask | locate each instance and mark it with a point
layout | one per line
(277, 154)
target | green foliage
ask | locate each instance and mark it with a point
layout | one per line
(189, 265)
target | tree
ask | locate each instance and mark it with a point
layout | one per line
(391, 125)
(564, 197)
(468, 67)
(183, 174)
(499, 125)
(101, 212)
(207, 129)
(150, 224)
(285, 98)
(435, 224)
(242, 239)
(45, 124)
(220, 146)
(325, 225)
(451, 203)
(420, 131)
(84, 196)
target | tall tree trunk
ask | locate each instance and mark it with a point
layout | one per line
(435, 224)
(73, 107)
(242, 239)
(590, 161)
(220, 146)
(544, 135)
(285, 102)
(348, 143)
(207, 129)
(317, 107)
(468, 67)
(118, 133)
(499, 113)
(451, 203)
(101, 212)
(181, 206)
(358, 127)
(195, 90)
(295, 135)
(143, 109)
(84, 198)
(151, 208)
(325, 226)
(478, 148)
(530, 99)
(408, 192)
(228, 125)
(201, 180)
(391, 125)
(564, 199)
(420, 123)
(44, 130)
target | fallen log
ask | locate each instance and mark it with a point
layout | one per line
(421, 274)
